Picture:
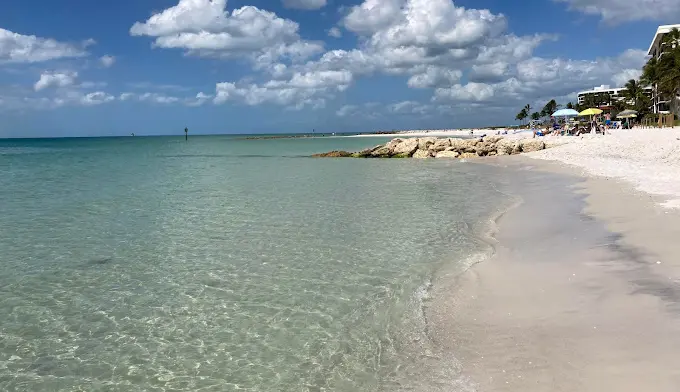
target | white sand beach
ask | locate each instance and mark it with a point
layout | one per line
(649, 159)
(583, 292)
(445, 132)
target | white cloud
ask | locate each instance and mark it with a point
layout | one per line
(431, 41)
(621, 78)
(157, 98)
(18, 48)
(301, 90)
(491, 72)
(540, 78)
(200, 99)
(468, 92)
(126, 96)
(410, 108)
(618, 11)
(334, 32)
(164, 99)
(96, 98)
(55, 79)
(434, 76)
(368, 110)
(206, 28)
(346, 110)
(305, 4)
(107, 61)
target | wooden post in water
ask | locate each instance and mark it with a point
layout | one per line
(186, 134)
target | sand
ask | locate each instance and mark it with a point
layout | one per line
(446, 133)
(649, 159)
(582, 294)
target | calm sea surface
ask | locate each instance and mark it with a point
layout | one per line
(155, 264)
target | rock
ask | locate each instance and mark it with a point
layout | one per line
(484, 148)
(382, 152)
(517, 148)
(463, 145)
(441, 145)
(334, 154)
(532, 145)
(408, 147)
(447, 154)
(393, 143)
(505, 147)
(493, 139)
(424, 143)
(422, 154)
(468, 155)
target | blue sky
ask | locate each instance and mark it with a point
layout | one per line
(76, 68)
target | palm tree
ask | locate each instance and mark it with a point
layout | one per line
(669, 63)
(663, 73)
(523, 114)
(535, 116)
(549, 108)
(635, 95)
(570, 105)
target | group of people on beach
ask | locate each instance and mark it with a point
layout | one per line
(602, 124)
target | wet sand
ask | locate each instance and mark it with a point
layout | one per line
(582, 294)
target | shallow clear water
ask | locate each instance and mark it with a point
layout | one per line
(153, 264)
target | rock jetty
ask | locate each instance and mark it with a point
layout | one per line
(432, 147)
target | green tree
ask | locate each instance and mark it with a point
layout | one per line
(635, 97)
(549, 108)
(570, 105)
(522, 115)
(663, 73)
(535, 116)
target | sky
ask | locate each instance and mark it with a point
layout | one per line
(152, 67)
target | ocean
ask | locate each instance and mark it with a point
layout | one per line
(223, 264)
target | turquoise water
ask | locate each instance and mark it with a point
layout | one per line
(155, 264)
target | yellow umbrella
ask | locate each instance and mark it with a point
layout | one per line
(590, 112)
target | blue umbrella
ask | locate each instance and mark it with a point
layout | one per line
(565, 113)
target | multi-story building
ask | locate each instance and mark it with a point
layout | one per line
(661, 103)
(614, 94)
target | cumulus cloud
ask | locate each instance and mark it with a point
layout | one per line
(107, 61)
(538, 78)
(334, 32)
(301, 90)
(434, 76)
(305, 4)
(55, 79)
(200, 99)
(618, 11)
(206, 28)
(431, 41)
(96, 98)
(165, 99)
(18, 48)
(489, 73)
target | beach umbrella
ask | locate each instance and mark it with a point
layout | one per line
(565, 113)
(627, 114)
(590, 112)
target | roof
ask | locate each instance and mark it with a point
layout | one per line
(659, 34)
(615, 90)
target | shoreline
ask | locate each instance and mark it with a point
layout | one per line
(566, 308)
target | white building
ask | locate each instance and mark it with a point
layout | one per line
(661, 104)
(616, 94)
